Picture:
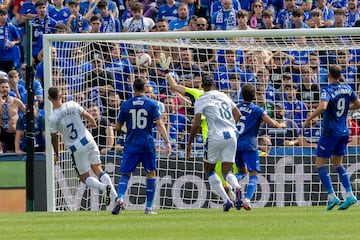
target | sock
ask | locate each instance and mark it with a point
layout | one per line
(105, 178)
(231, 179)
(239, 176)
(94, 183)
(325, 179)
(344, 178)
(122, 186)
(217, 187)
(150, 191)
(251, 187)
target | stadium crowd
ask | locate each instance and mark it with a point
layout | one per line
(287, 83)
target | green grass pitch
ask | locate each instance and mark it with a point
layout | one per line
(260, 223)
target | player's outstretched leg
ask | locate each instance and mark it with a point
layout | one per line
(150, 193)
(216, 186)
(118, 206)
(349, 201)
(105, 178)
(345, 181)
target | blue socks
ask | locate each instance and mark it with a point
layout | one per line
(344, 178)
(251, 187)
(150, 191)
(122, 186)
(325, 179)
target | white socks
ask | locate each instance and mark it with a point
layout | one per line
(105, 178)
(215, 183)
(94, 183)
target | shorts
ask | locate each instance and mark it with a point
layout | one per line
(331, 145)
(8, 140)
(84, 156)
(221, 150)
(130, 161)
(249, 159)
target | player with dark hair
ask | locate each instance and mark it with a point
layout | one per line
(221, 116)
(247, 144)
(193, 94)
(139, 113)
(67, 118)
(336, 100)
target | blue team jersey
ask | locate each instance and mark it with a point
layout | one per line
(338, 97)
(248, 126)
(139, 113)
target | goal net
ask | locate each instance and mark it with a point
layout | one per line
(287, 67)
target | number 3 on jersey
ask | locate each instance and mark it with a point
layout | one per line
(138, 118)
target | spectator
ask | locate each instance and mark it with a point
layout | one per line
(9, 110)
(123, 71)
(99, 82)
(352, 13)
(263, 78)
(187, 70)
(278, 67)
(348, 72)
(311, 134)
(104, 132)
(42, 24)
(37, 88)
(315, 20)
(191, 25)
(204, 58)
(242, 19)
(138, 23)
(224, 18)
(354, 132)
(250, 66)
(221, 75)
(39, 133)
(8, 42)
(28, 10)
(216, 5)
(110, 23)
(339, 18)
(234, 92)
(264, 144)
(308, 91)
(284, 19)
(168, 11)
(282, 137)
(294, 108)
(59, 12)
(177, 120)
(261, 101)
(76, 23)
(319, 73)
(95, 26)
(298, 19)
(268, 20)
(182, 19)
(257, 9)
(327, 15)
(160, 144)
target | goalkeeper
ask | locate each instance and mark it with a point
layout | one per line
(193, 94)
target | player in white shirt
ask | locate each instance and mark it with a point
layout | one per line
(66, 118)
(221, 116)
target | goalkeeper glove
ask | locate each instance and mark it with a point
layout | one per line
(164, 62)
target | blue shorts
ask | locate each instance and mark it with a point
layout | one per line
(331, 145)
(130, 161)
(249, 159)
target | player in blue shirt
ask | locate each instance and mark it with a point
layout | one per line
(336, 100)
(247, 144)
(139, 113)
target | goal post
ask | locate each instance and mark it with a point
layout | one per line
(287, 176)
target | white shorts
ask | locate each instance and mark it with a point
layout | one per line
(223, 150)
(83, 157)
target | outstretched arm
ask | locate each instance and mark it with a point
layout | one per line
(161, 127)
(55, 144)
(318, 111)
(354, 104)
(194, 130)
(89, 118)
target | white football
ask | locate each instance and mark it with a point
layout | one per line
(143, 60)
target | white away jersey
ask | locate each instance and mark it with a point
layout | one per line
(67, 120)
(217, 108)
